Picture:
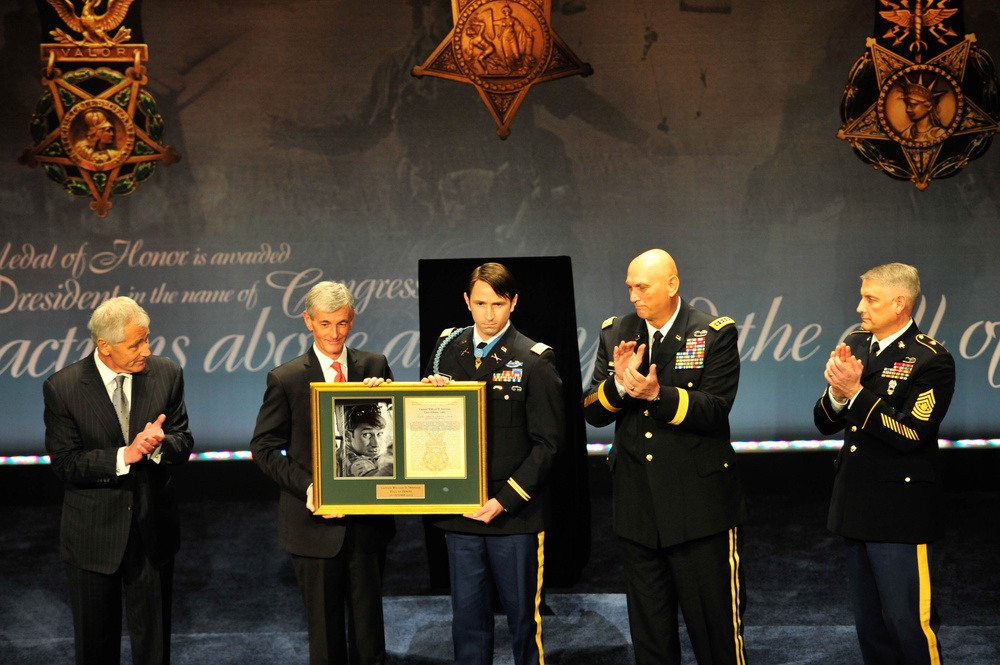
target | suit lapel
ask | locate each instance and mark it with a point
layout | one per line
(873, 364)
(97, 396)
(674, 341)
(355, 371)
(142, 388)
(313, 367)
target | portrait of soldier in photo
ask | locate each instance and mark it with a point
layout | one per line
(367, 445)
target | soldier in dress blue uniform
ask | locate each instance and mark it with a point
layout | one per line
(889, 389)
(503, 541)
(667, 378)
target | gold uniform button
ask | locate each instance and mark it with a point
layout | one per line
(646, 412)
(690, 385)
(907, 479)
(853, 448)
(854, 428)
(725, 465)
(649, 458)
(649, 435)
(506, 397)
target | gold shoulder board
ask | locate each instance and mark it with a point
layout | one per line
(860, 331)
(540, 348)
(446, 332)
(721, 322)
(608, 321)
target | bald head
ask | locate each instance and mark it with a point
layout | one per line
(653, 286)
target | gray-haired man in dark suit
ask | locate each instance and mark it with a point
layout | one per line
(338, 562)
(114, 423)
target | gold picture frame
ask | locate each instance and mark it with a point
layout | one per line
(398, 448)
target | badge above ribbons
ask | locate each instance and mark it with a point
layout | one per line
(502, 47)
(922, 102)
(96, 129)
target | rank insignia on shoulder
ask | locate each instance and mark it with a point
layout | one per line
(540, 348)
(608, 322)
(446, 332)
(721, 322)
(930, 343)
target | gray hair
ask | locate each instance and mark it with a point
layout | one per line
(900, 276)
(328, 297)
(109, 320)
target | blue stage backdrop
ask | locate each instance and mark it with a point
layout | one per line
(309, 152)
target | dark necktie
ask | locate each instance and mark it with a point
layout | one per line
(657, 338)
(873, 352)
(479, 353)
(121, 405)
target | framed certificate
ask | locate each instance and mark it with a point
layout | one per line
(399, 448)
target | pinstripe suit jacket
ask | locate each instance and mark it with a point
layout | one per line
(284, 425)
(82, 437)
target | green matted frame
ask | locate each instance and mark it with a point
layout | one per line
(435, 462)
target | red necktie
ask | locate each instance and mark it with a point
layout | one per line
(340, 375)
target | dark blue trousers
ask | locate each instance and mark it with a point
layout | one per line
(514, 564)
(893, 608)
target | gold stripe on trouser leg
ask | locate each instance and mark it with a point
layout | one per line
(538, 598)
(734, 589)
(924, 572)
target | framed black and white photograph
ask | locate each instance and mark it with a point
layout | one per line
(399, 448)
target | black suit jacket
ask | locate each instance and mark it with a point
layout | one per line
(672, 463)
(887, 486)
(524, 426)
(82, 437)
(284, 423)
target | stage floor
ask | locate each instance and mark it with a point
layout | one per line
(236, 600)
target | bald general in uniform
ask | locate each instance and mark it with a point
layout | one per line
(678, 502)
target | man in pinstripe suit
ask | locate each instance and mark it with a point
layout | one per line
(119, 528)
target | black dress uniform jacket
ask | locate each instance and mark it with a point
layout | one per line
(887, 487)
(524, 425)
(672, 461)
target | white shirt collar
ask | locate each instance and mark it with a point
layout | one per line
(108, 376)
(666, 326)
(476, 339)
(326, 362)
(884, 344)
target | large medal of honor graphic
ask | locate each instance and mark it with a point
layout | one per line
(502, 47)
(96, 129)
(922, 102)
